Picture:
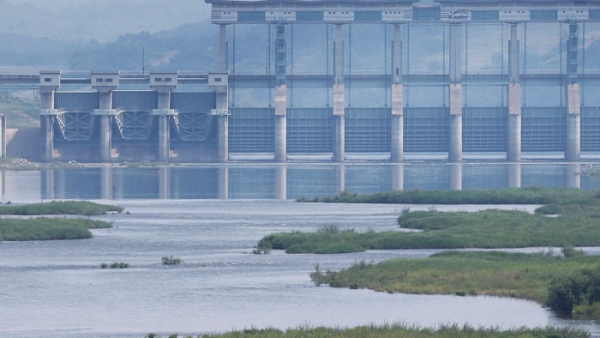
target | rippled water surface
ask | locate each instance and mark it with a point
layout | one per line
(57, 288)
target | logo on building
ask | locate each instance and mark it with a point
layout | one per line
(461, 14)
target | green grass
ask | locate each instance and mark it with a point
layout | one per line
(528, 276)
(60, 208)
(20, 112)
(40, 229)
(577, 224)
(526, 195)
(404, 331)
(487, 229)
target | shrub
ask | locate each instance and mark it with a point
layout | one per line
(580, 288)
(171, 260)
(115, 265)
(329, 230)
(263, 247)
(569, 251)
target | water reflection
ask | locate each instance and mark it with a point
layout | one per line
(291, 181)
(514, 175)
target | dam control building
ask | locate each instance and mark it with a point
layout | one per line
(369, 89)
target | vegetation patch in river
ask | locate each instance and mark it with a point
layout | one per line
(450, 230)
(402, 330)
(560, 282)
(525, 195)
(40, 229)
(576, 224)
(170, 260)
(60, 208)
(115, 265)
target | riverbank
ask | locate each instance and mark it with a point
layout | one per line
(398, 330)
(566, 283)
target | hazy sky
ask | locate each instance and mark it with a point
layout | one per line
(103, 20)
(59, 4)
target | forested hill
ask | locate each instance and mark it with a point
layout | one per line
(195, 46)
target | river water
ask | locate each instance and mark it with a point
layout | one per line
(57, 288)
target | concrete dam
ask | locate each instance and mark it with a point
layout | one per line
(342, 108)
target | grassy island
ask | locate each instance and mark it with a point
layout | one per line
(45, 228)
(576, 224)
(404, 331)
(83, 208)
(40, 229)
(569, 284)
(525, 195)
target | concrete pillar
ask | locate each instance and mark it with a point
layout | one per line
(106, 183)
(222, 105)
(397, 118)
(455, 146)
(164, 103)
(219, 82)
(223, 193)
(456, 176)
(281, 182)
(223, 48)
(514, 175)
(455, 53)
(49, 83)
(280, 124)
(2, 136)
(105, 83)
(47, 129)
(397, 177)
(223, 138)
(455, 119)
(397, 137)
(164, 83)
(573, 150)
(163, 138)
(513, 151)
(339, 125)
(339, 91)
(280, 94)
(573, 173)
(3, 185)
(164, 183)
(105, 102)
(105, 138)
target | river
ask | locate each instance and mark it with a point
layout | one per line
(57, 288)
